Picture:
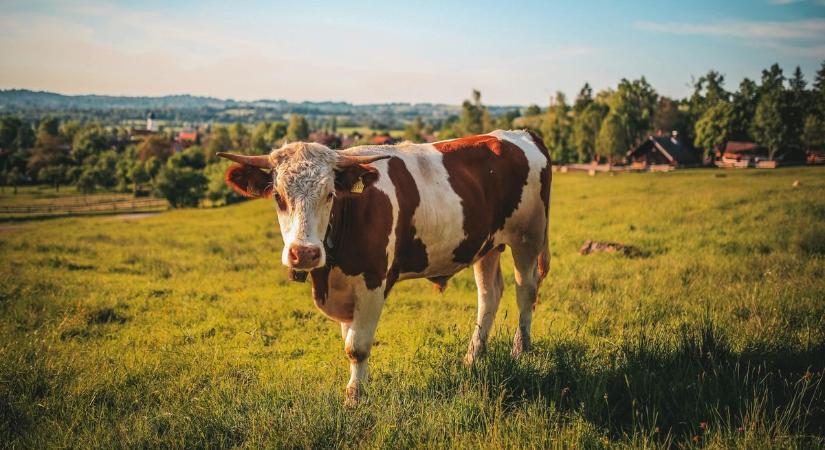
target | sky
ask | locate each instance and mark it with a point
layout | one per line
(514, 52)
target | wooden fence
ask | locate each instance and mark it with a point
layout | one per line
(78, 205)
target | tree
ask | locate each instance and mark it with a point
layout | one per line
(707, 91)
(13, 177)
(239, 136)
(770, 124)
(586, 130)
(155, 146)
(475, 119)
(713, 128)
(584, 99)
(744, 108)
(89, 140)
(634, 102)
(265, 136)
(505, 120)
(612, 141)
(813, 133)
(298, 128)
(532, 110)
(69, 129)
(181, 186)
(414, 132)
(53, 175)
(666, 116)
(9, 129)
(797, 108)
(556, 129)
(818, 93)
(219, 140)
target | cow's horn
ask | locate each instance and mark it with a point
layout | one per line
(351, 160)
(262, 161)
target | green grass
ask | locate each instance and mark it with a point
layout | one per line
(181, 330)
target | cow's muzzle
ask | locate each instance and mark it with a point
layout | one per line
(304, 257)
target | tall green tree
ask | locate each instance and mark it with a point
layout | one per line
(818, 93)
(583, 99)
(635, 104)
(414, 132)
(239, 136)
(89, 140)
(770, 122)
(744, 108)
(586, 126)
(713, 129)
(298, 128)
(557, 129)
(813, 133)
(612, 141)
(475, 119)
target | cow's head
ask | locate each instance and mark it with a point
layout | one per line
(302, 178)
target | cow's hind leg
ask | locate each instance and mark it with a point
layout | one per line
(359, 338)
(526, 261)
(490, 286)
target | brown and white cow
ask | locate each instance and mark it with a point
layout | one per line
(362, 219)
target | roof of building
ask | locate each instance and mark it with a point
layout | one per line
(672, 148)
(191, 135)
(744, 147)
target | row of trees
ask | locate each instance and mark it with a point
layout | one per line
(778, 112)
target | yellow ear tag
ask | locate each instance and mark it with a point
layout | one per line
(357, 187)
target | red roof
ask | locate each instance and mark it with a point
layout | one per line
(742, 147)
(191, 136)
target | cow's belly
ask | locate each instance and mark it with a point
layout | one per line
(341, 296)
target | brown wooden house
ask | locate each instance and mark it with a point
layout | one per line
(663, 150)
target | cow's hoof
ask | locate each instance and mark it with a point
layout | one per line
(352, 397)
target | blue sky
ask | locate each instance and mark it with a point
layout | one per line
(515, 52)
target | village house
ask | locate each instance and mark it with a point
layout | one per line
(657, 151)
(742, 154)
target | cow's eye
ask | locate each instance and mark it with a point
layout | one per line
(280, 201)
(329, 196)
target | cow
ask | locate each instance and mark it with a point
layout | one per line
(362, 219)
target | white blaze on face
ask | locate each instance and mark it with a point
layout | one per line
(304, 186)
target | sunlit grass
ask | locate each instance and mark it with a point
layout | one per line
(181, 330)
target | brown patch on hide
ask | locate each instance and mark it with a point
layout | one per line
(489, 176)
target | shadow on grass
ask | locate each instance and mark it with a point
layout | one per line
(674, 388)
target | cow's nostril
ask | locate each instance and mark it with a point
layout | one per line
(293, 254)
(315, 253)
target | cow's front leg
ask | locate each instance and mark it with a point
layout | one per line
(359, 338)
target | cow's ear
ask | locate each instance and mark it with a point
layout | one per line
(355, 178)
(249, 181)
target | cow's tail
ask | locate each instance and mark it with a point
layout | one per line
(544, 258)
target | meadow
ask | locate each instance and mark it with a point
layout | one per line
(181, 330)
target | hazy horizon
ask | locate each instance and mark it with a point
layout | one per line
(372, 52)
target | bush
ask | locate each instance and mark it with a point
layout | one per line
(183, 187)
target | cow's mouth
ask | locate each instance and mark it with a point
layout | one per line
(297, 275)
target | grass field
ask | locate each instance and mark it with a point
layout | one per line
(181, 330)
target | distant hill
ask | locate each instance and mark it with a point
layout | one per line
(190, 108)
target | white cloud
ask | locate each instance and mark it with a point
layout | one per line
(798, 29)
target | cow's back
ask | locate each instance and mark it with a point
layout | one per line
(455, 200)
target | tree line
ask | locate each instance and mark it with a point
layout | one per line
(778, 112)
